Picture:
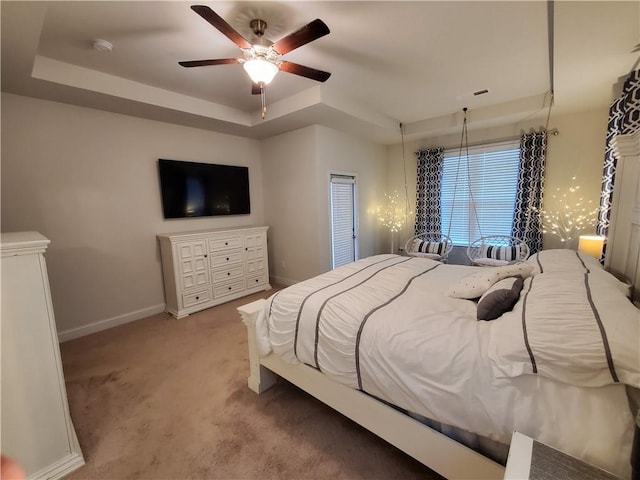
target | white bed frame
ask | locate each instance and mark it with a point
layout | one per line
(435, 450)
(440, 453)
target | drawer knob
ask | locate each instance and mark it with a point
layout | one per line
(197, 298)
(227, 259)
(205, 256)
(228, 273)
(226, 243)
(229, 288)
(256, 280)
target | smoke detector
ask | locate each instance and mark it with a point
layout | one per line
(102, 45)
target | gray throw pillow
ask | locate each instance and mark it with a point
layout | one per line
(500, 298)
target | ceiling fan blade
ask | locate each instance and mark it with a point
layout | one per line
(304, 35)
(204, 63)
(218, 22)
(303, 71)
(255, 89)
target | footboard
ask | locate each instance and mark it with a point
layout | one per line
(433, 449)
(260, 378)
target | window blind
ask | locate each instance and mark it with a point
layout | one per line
(478, 191)
(342, 220)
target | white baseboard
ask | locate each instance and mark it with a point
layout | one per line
(71, 333)
(283, 281)
(59, 468)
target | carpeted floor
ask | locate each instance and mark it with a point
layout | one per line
(162, 398)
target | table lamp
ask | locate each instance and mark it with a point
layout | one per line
(591, 245)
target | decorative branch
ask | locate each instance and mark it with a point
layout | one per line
(572, 217)
(392, 214)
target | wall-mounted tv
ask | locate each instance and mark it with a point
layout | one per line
(191, 189)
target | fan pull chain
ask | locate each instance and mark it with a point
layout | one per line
(263, 98)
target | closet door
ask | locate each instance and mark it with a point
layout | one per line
(343, 220)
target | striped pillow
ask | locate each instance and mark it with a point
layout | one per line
(507, 253)
(422, 246)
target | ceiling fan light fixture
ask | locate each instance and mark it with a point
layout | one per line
(260, 70)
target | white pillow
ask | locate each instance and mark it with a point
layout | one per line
(475, 285)
(432, 256)
(563, 260)
(490, 262)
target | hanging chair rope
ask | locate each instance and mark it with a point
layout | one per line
(464, 143)
(407, 209)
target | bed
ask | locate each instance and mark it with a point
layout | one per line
(395, 344)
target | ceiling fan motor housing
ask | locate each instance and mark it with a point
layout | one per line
(258, 26)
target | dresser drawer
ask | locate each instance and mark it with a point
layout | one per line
(256, 280)
(228, 243)
(226, 274)
(196, 298)
(229, 288)
(229, 258)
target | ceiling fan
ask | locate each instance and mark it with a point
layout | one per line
(261, 59)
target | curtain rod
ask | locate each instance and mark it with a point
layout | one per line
(554, 132)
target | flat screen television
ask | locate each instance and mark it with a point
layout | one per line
(191, 189)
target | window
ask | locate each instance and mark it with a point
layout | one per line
(343, 219)
(484, 184)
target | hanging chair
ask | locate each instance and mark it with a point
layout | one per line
(497, 250)
(433, 245)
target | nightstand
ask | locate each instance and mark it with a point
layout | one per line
(532, 460)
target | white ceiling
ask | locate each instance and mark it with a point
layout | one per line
(416, 63)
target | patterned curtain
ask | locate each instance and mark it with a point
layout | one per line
(624, 117)
(527, 224)
(428, 217)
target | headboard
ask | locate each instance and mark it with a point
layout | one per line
(623, 242)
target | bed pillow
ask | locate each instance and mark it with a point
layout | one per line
(577, 328)
(500, 298)
(432, 256)
(421, 246)
(490, 262)
(504, 253)
(564, 260)
(476, 284)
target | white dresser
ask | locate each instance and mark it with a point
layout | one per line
(36, 426)
(205, 268)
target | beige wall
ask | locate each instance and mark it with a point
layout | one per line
(289, 176)
(339, 152)
(577, 151)
(296, 170)
(88, 181)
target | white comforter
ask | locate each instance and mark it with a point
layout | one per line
(384, 325)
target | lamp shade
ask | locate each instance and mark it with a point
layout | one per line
(591, 245)
(260, 70)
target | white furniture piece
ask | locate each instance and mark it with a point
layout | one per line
(623, 243)
(529, 458)
(36, 431)
(430, 447)
(205, 268)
